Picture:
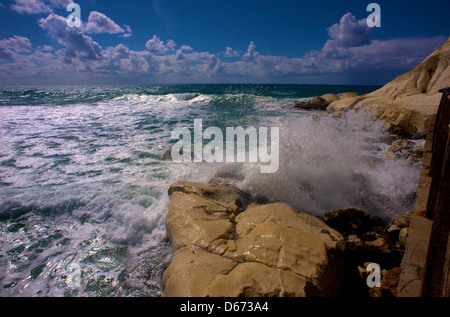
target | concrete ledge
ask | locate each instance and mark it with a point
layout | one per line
(423, 191)
(413, 262)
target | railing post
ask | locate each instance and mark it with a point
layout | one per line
(438, 149)
(436, 278)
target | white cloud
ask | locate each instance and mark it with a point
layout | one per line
(15, 44)
(99, 23)
(230, 52)
(81, 56)
(77, 45)
(38, 6)
(30, 7)
(128, 31)
(46, 48)
(349, 32)
(156, 46)
(251, 52)
(186, 48)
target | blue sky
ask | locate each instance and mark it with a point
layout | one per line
(215, 41)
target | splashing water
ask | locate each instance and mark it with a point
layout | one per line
(82, 179)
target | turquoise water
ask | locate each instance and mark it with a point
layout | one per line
(82, 179)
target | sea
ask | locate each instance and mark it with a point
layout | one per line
(84, 177)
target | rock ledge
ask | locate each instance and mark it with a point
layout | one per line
(266, 250)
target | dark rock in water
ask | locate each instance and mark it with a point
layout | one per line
(167, 155)
(348, 221)
(367, 240)
(315, 103)
(322, 102)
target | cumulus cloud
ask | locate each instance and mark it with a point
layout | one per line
(186, 48)
(349, 49)
(230, 52)
(38, 6)
(76, 44)
(99, 23)
(349, 32)
(15, 44)
(156, 46)
(128, 31)
(251, 52)
(30, 7)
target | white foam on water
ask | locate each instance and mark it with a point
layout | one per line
(85, 184)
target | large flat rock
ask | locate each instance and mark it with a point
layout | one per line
(266, 250)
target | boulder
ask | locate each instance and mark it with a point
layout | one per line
(321, 102)
(400, 221)
(349, 221)
(329, 98)
(266, 250)
(315, 103)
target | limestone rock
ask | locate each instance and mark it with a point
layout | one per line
(192, 270)
(389, 155)
(322, 102)
(400, 221)
(403, 234)
(329, 98)
(407, 103)
(266, 250)
(344, 95)
(315, 103)
(200, 214)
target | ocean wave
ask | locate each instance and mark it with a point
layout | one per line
(328, 163)
(82, 180)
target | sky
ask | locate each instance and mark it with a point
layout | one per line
(216, 41)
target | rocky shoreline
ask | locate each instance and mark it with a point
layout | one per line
(406, 104)
(227, 242)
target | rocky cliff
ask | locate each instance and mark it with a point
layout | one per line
(407, 103)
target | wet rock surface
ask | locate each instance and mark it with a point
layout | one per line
(220, 249)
